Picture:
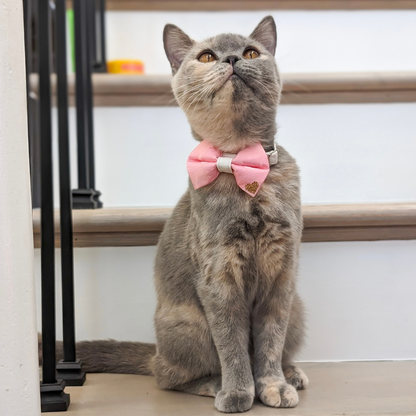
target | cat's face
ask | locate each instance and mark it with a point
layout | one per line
(228, 86)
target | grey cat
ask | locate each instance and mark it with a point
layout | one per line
(228, 319)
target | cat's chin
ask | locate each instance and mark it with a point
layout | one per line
(235, 77)
(228, 81)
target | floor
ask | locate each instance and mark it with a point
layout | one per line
(336, 389)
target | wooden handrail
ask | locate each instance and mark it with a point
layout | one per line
(112, 227)
(223, 5)
(301, 88)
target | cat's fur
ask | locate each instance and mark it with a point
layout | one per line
(228, 319)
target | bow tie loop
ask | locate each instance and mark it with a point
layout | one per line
(250, 166)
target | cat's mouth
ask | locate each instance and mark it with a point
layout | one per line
(233, 77)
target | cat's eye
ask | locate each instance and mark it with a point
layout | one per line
(207, 57)
(251, 54)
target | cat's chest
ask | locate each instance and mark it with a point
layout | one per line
(256, 222)
(226, 207)
(252, 241)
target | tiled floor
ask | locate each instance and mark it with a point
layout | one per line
(336, 389)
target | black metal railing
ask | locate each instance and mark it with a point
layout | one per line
(86, 196)
(68, 369)
(31, 42)
(46, 50)
(90, 57)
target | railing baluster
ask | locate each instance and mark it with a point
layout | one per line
(69, 369)
(53, 397)
(99, 54)
(89, 10)
(83, 170)
(30, 7)
(85, 196)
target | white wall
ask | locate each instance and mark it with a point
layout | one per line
(360, 300)
(359, 296)
(19, 373)
(347, 153)
(308, 41)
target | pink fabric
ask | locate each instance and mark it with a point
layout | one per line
(250, 167)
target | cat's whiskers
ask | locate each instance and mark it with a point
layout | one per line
(185, 90)
(197, 80)
(190, 94)
(187, 87)
(261, 83)
(199, 96)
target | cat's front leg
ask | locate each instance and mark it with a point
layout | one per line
(222, 296)
(270, 321)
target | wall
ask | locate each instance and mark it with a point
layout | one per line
(359, 295)
(347, 153)
(19, 373)
(308, 41)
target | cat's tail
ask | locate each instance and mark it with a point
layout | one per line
(111, 356)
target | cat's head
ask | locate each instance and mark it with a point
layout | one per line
(228, 86)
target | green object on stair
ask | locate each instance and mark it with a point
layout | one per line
(71, 37)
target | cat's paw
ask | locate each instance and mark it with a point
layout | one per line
(279, 394)
(296, 377)
(234, 401)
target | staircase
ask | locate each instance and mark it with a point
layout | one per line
(348, 115)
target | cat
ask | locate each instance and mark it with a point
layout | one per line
(228, 319)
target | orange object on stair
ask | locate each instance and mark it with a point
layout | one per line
(125, 66)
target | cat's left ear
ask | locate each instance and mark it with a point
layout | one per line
(266, 34)
(177, 44)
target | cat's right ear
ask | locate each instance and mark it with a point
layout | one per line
(177, 44)
(266, 34)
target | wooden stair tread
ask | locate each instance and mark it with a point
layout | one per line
(350, 388)
(299, 88)
(109, 227)
(223, 5)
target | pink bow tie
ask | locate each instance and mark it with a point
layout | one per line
(250, 166)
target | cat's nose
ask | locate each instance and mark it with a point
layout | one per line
(232, 59)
